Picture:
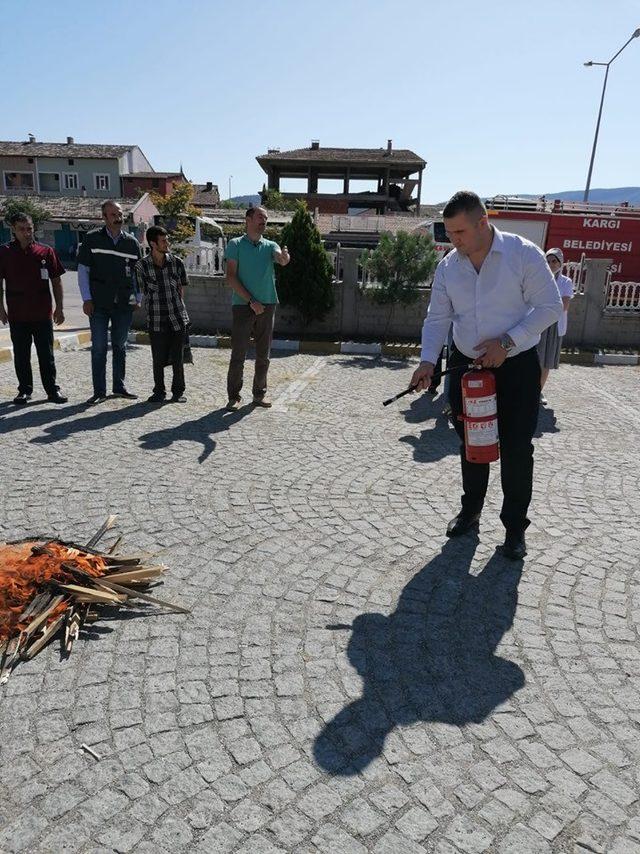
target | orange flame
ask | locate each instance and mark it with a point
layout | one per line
(23, 575)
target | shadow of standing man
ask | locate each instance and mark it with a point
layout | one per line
(432, 659)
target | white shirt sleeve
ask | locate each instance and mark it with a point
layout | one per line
(540, 291)
(565, 286)
(438, 320)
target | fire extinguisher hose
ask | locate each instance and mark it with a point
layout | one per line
(433, 378)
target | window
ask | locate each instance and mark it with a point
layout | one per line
(101, 182)
(18, 180)
(70, 180)
(70, 161)
(49, 182)
(155, 182)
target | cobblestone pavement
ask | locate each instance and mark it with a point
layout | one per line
(347, 681)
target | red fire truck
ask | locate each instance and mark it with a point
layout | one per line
(579, 229)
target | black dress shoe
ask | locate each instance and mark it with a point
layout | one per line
(178, 398)
(97, 398)
(22, 399)
(128, 395)
(56, 397)
(462, 523)
(514, 547)
(157, 398)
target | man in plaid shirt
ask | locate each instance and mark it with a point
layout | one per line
(161, 277)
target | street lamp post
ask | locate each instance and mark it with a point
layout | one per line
(604, 87)
(230, 177)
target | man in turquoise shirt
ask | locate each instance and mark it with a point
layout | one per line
(250, 272)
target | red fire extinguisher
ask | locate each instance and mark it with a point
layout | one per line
(480, 416)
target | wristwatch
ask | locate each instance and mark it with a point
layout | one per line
(506, 342)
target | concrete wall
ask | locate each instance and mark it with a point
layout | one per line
(590, 325)
(208, 301)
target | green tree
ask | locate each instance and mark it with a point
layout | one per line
(396, 267)
(23, 204)
(305, 282)
(273, 200)
(177, 208)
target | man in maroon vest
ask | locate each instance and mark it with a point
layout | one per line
(27, 268)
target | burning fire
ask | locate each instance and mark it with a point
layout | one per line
(23, 574)
(49, 589)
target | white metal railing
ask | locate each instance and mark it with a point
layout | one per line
(544, 204)
(205, 260)
(622, 296)
(576, 271)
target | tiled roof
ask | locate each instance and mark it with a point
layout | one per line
(206, 198)
(72, 207)
(61, 149)
(153, 175)
(377, 156)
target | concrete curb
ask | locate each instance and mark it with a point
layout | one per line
(396, 351)
(62, 342)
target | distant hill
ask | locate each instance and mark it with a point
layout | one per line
(247, 200)
(602, 196)
(614, 196)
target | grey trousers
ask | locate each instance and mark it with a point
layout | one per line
(245, 323)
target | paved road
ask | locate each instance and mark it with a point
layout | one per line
(347, 681)
(75, 319)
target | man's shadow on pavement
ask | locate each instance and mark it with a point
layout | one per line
(106, 418)
(199, 430)
(432, 659)
(27, 417)
(547, 422)
(436, 443)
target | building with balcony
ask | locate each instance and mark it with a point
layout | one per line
(67, 168)
(393, 178)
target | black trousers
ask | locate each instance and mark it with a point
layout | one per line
(518, 394)
(167, 348)
(41, 333)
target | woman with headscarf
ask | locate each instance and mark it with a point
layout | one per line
(551, 338)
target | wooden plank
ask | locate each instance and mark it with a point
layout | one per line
(129, 576)
(99, 534)
(90, 593)
(43, 615)
(136, 594)
(38, 603)
(48, 635)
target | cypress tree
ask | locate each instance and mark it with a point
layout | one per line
(305, 283)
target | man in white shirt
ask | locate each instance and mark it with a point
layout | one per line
(498, 292)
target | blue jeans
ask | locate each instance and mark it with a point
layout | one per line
(120, 320)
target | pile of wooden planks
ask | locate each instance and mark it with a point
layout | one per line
(51, 588)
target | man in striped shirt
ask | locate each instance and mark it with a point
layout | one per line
(161, 277)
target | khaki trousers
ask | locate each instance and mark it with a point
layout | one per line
(245, 324)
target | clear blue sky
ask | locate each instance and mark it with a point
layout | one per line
(493, 95)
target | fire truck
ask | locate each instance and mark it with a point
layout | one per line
(579, 229)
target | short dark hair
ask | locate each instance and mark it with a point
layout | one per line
(154, 232)
(464, 201)
(106, 204)
(20, 216)
(250, 211)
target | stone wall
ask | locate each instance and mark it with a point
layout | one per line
(354, 316)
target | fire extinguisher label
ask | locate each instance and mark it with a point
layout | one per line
(482, 432)
(478, 407)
